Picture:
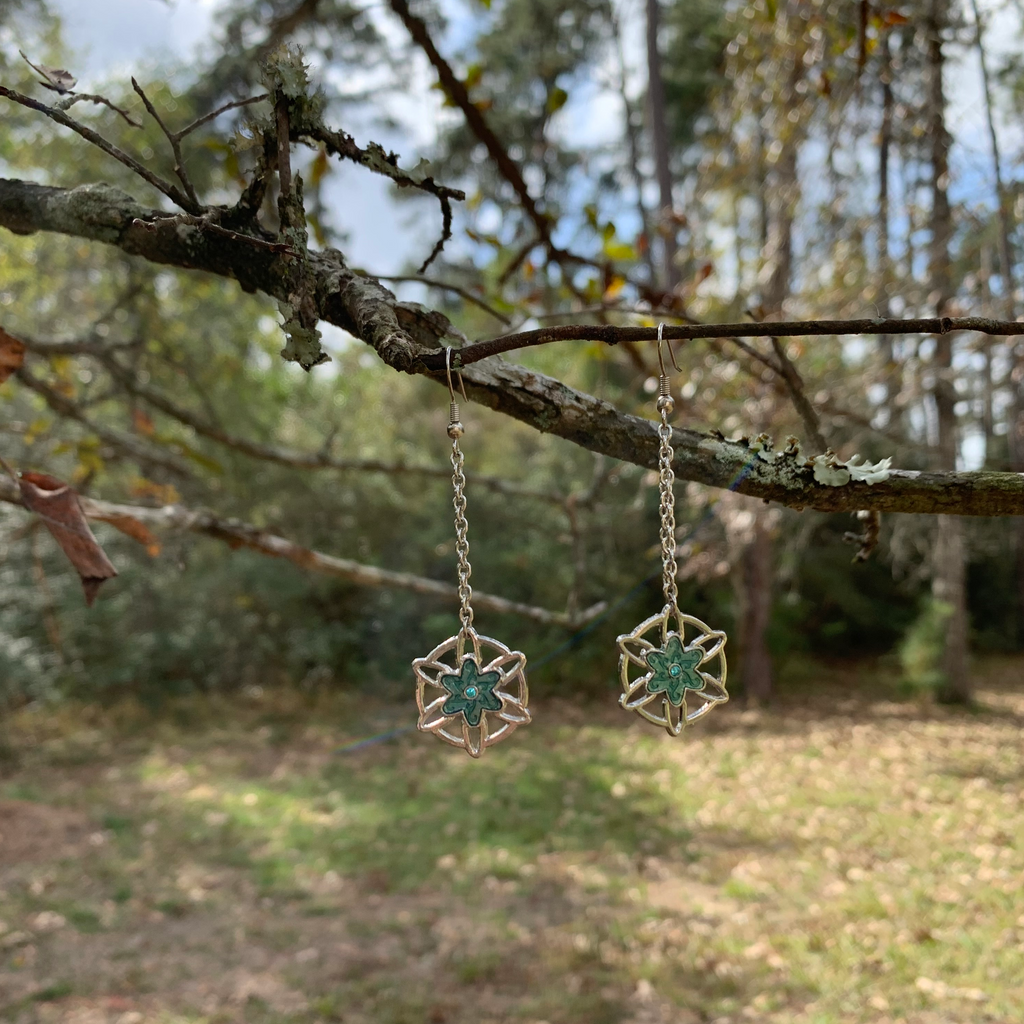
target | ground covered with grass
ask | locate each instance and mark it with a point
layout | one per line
(847, 855)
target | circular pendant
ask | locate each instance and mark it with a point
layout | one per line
(668, 660)
(471, 691)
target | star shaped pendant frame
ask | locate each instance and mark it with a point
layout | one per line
(660, 635)
(444, 668)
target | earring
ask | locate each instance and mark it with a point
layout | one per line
(671, 654)
(470, 690)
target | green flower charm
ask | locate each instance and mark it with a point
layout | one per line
(674, 670)
(472, 693)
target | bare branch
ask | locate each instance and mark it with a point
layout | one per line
(290, 457)
(72, 98)
(179, 160)
(239, 534)
(411, 339)
(200, 121)
(431, 282)
(171, 191)
(795, 386)
(612, 335)
(375, 158)
(125, 443)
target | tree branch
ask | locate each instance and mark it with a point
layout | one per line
(122, 442)
(431, 282)
(375, 158)
(291, 457)
(238, 534)
(175, 141)
(411, 339)
(612, 335)
(172, 192)
(795, 386)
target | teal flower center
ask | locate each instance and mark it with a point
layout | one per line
(471, 691)
(675, 669)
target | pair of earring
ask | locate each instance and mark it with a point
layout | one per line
(471, 690)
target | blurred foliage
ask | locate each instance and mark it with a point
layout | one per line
(199, 616)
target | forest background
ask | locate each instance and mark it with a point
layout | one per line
(807, 159)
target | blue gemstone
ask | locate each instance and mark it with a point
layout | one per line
(674, 670)
(470, 691)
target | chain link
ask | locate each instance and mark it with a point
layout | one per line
(461, 540)
(667, 510)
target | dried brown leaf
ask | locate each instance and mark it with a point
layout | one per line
(56, 504)
(137, 531)
(12, 354)
(58, 79)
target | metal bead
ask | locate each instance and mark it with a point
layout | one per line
(666, 403)
(456, 430)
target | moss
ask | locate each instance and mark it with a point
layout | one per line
(100, 211)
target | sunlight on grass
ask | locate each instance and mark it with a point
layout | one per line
(832, 860)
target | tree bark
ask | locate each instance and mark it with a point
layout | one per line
(757, 574)
(948, 576)
(890, 376)
(410, 339)
(1004, 220)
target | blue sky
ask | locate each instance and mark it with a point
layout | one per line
(117, 38)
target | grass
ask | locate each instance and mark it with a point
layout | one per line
(844, 856)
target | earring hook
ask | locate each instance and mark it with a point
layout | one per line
(671, 352)
(448, 371)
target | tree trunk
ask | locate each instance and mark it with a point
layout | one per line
(632, 135)
(948, 577)
(1016, 442)
(755, 569)
(756, 573)
(659, 135)
(890, 378)
(1005, 222)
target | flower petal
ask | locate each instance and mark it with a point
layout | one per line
(489, 700)
(658, 660)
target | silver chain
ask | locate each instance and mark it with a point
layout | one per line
(667, 510)
(461, 530)
(666, 477)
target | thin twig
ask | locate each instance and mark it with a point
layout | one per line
(375, 158)
(74, 97)
(200, 121)
(206, 224)
(432, 282)
(68, 409)
(291, 457)
(612, 335)
(172, 138)
(795, 386)
(171, 191)
(238, 534)
(446, 233)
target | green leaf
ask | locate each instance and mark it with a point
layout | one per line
(619, 251)
(556, 99)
